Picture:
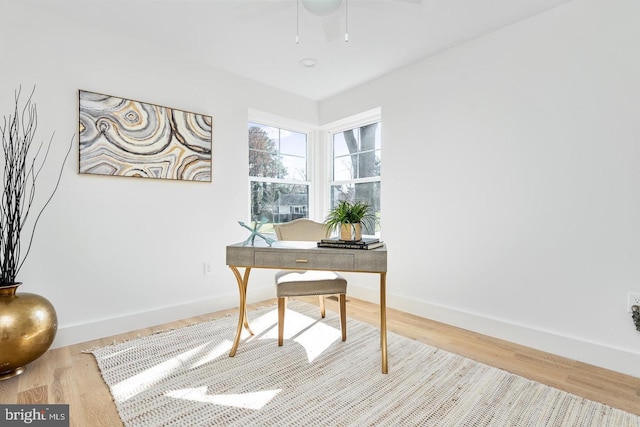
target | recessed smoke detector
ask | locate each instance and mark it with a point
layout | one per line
(308, 62)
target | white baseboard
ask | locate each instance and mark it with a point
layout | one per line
(615, 359)
(75, 334)
(619, 360)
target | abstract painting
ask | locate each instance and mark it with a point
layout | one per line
(122, 137)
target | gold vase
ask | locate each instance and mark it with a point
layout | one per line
(350, 231)
(28, 325)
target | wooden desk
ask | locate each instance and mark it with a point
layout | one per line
(289, 255)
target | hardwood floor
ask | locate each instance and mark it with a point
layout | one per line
(67, 375)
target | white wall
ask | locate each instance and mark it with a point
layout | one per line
(523, 143)
(117, 254)
(511, 195)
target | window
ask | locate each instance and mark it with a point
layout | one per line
(356, 160)
(298, 170)
(278, 174)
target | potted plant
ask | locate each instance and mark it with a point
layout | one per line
(348, 218)
(28, 321)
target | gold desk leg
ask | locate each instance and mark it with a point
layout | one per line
(383, 321)
(242, 318)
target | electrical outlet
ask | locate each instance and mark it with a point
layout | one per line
(208, 268)
(634, 299)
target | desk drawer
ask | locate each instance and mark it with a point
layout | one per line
(304, 261)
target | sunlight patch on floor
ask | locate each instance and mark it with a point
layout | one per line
(309, 332)
(265, 325)
(130, 387)
(317, 338)
(221, 349)
(252, 400)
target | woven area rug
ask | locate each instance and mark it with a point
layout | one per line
(184, 377)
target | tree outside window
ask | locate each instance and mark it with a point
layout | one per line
(356, 167)
(278, 174)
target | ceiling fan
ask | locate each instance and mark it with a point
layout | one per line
(321, 7)
(331, 12)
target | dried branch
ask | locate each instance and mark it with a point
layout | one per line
(35, 224)
(22, 167)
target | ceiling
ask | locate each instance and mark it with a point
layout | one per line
(257, 38)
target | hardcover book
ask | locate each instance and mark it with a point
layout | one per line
(363, 241)
(345, 244)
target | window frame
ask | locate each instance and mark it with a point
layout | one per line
(329, 130)
(282, 123)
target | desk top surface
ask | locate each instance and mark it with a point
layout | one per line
(287, 254)
(296, 244)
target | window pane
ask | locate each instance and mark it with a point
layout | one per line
(368, 136)
(264, 164)
(277, 153)
(293, 143)
(363, 144)
(368, 192)
(279, 202)
(339, 145)
(263, 137)
(352, 139)
(341, 192)
(369, 164)
(342, 168)
(294, 168)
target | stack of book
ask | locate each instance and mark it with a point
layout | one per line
(364, 243)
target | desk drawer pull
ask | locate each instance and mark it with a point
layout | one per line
(307, 259)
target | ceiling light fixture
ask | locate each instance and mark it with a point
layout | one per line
(322, 8)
